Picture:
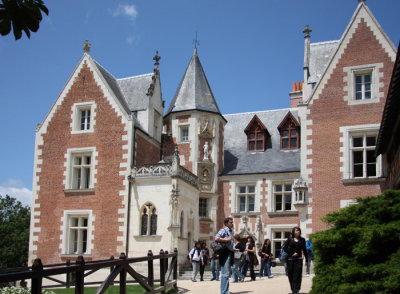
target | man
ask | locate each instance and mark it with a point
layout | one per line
(225, 235)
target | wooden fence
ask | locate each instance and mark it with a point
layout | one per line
(76, 273)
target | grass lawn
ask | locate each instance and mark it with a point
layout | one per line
(131, 289)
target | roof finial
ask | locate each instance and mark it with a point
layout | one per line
(362, 1)
(196, 42)
(86, 46)
(307, 31)
(156, 58)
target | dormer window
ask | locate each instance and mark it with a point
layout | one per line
(256, 135)
(289, 130)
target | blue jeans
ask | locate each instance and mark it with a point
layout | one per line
(265, 267)
(215, 268)
(195, 266)
(225, 275)
(236, 271)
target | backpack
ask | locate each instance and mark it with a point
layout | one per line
(283, 256)
(218, 247)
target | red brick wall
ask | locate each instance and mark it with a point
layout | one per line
(105, 200)
(146, 152)
(295, 101)
(205, 228)
(328, 113)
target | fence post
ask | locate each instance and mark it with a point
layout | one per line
(175, 273)
(122, 275)
(150, 268)
(68, 275)
(80, 276)
(162, 270)
(37, 267)
(112, 267)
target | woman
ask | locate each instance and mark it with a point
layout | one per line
(237, 262)
(266, 259)
(195, 259)
(249, 258)
(295, 246)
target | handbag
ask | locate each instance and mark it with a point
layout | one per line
(238, 255)
(218, 247)
(283, 257)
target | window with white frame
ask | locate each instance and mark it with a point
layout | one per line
(363, 82)
(77, 230)
(203, 207)
(83, 117)
(246, 197)
(282, 196)
(184, 133)
(363, 160)
(279, 237)
(81, 171)
(148, 220)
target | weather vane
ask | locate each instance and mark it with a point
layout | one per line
(196, 42)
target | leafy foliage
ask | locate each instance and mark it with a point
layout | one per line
(20, 290)
(361, 252)
(22, 15)
(14, 232)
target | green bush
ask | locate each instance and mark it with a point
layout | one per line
(360, 253)
(20, 290)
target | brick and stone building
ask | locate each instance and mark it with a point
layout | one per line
(116, 172)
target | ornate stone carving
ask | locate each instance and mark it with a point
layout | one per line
(207, 129)
(205, 171)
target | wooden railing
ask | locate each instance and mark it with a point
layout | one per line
(118, 267)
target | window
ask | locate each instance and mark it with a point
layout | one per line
(203, 207)
(283, 197)
(83, 117)
(81, 167)
(246, 198)
(278, 239)
(77, 233)
(184, 130)
(364, 162)
(363, 86)
(289, 130)
(256, 135)
(148, 220)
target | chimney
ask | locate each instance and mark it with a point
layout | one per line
(296, 95)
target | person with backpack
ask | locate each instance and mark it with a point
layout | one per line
(295, 247)
(225, 236)
(195, 259)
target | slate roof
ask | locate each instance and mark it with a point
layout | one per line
(238, 161)
(131, 92)
(320, 55)
(194, 92)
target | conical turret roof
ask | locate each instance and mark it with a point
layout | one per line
(194, 92)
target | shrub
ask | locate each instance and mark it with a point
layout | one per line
(20, 290)
(361, 252)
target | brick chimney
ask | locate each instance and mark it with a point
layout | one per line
(296, 95)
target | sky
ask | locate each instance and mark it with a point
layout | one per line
(251, 51)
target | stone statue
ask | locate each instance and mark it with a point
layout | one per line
(205, 148)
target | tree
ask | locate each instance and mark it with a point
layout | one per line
(14, 232)
(361, 252)
(22, 15)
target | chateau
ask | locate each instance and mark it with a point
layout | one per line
(117, 171)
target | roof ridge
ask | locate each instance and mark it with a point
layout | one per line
(261, 111)
(324, 42)
(137, 76)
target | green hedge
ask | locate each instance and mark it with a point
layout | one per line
(360, 253)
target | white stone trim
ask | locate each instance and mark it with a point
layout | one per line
(64, 229)
(67, 182)
(362, 12)
(345, 158)
(347, 203)
(271, 228)
(75, 116)
(376, 84)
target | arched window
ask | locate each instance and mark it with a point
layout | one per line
(148, 220)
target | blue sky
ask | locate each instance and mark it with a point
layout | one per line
(251, 51)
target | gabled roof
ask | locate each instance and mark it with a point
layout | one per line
(320, 55)
(194, 92)
(288, 116)
(134, 90)
(251, 123)
(362, 13)
(239, 161)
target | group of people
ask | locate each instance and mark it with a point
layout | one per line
(237, 258)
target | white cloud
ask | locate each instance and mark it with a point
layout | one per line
(127, 10)
(15, 188)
